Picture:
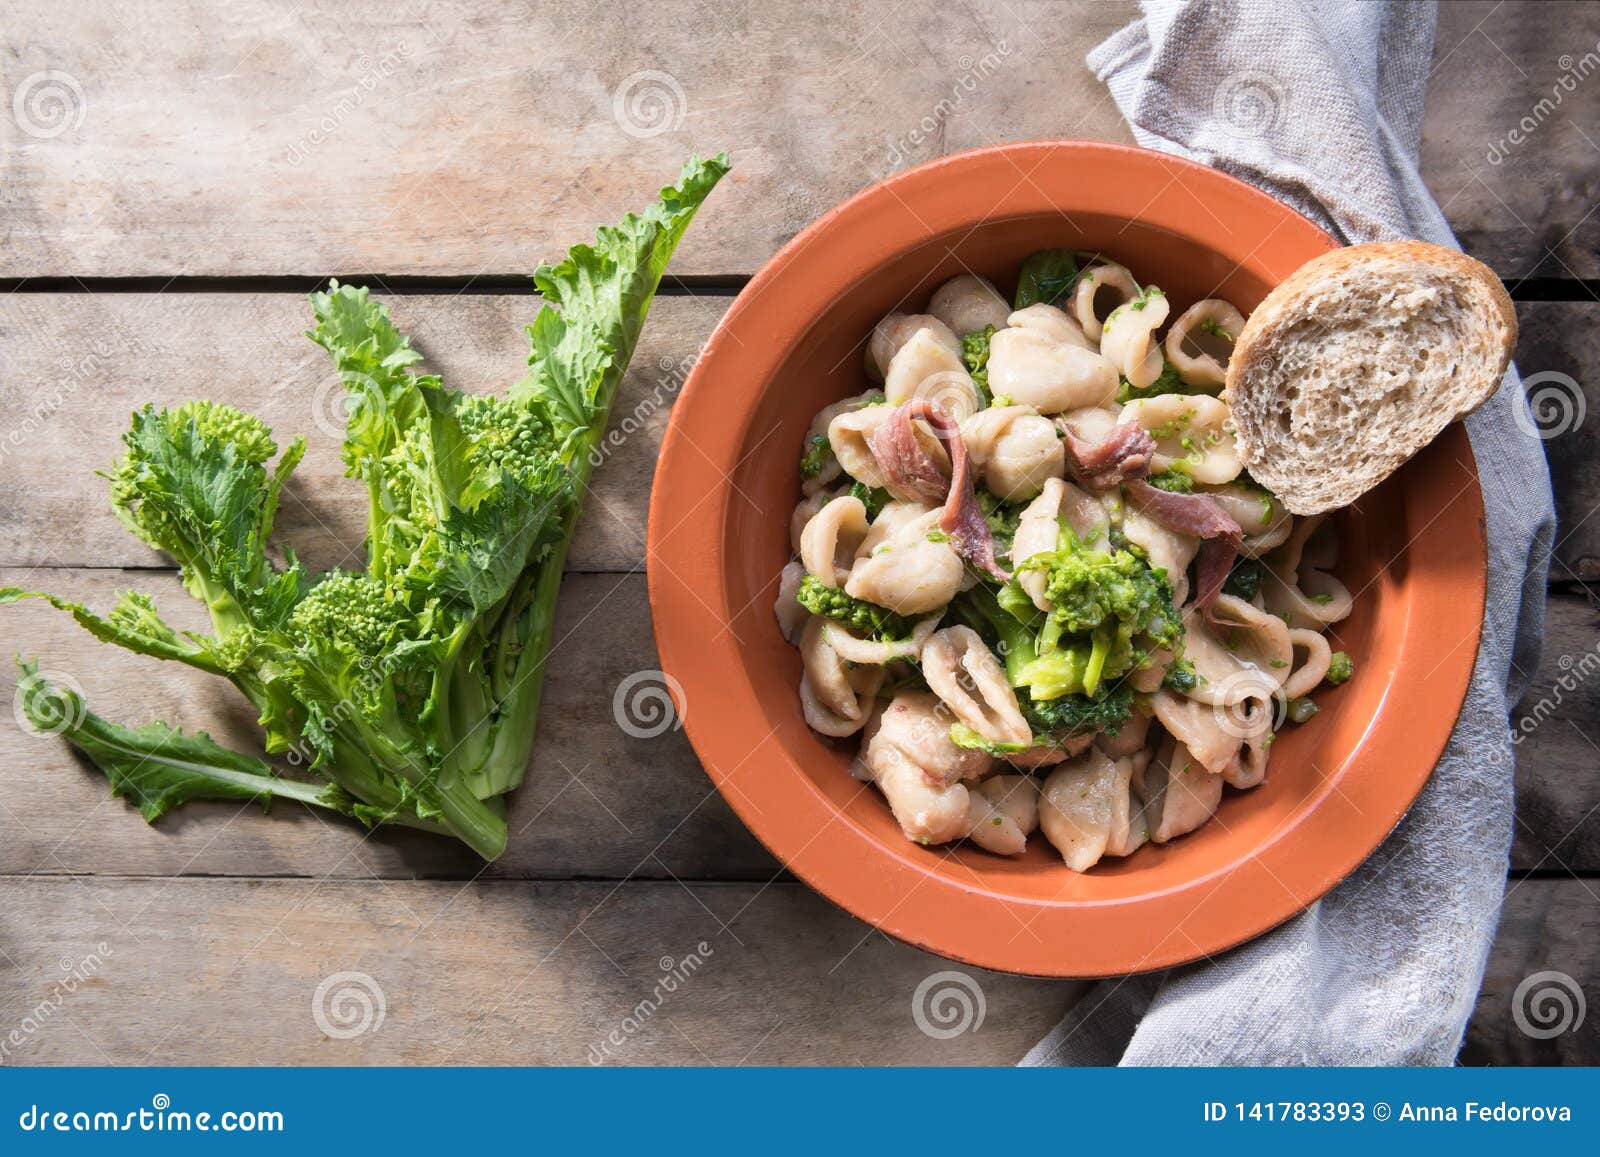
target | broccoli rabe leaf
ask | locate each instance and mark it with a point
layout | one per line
(1047, 276)
(1244, 580)
(155, 767)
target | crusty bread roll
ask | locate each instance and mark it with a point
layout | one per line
(1358, 360)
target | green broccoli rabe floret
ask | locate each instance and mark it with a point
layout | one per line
(1167, 382)
(251, 438)
(818, 453)
(1109, 609)
(1175, 481)
(975, 356)
(1339, 669)
(1002, 519)
(868, 618)
(1056, 720)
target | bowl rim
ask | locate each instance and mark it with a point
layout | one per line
(692, 615)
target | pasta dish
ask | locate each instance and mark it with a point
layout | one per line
(1032, 577)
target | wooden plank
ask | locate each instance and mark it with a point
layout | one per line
(448, 140)
(1559, 357)
(73, 365)
(1511, 132)
(520, 973)
(1557, 731)
(190, 971)
(597, 802)
(1550, 927)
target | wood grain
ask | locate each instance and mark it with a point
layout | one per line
(1559, 356)
(597, 802)
(1546, 926)
(450, 139)
(74, 365)
(192, 971)
(197, 971)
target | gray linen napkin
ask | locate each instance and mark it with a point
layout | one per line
(1319, 102)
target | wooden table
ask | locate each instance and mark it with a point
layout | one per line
(176, 176)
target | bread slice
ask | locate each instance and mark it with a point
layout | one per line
(1358, 360)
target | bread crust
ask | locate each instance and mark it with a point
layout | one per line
(1254, 387)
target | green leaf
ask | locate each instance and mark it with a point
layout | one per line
(1047, 276)
(155, 767)
(601, 294)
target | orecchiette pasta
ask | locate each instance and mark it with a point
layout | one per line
(1193, 433)
(968, 304)
(830, 539)
(1128, 338)
(908, 568)
(1029, 369)
(1179, 793)
(835, 696)
(898, 328)
(1055, 324)
(1086, 809)
(1013, 450)
(1002, 812)
(1200, 342)
(920, 771)
(1097, 282)
(967, 678)
(1162, 617)
(925, 367)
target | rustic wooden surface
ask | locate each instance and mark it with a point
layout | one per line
(467, 146)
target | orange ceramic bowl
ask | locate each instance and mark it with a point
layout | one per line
(1414, 551)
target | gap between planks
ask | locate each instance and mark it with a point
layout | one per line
(1542, 289)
